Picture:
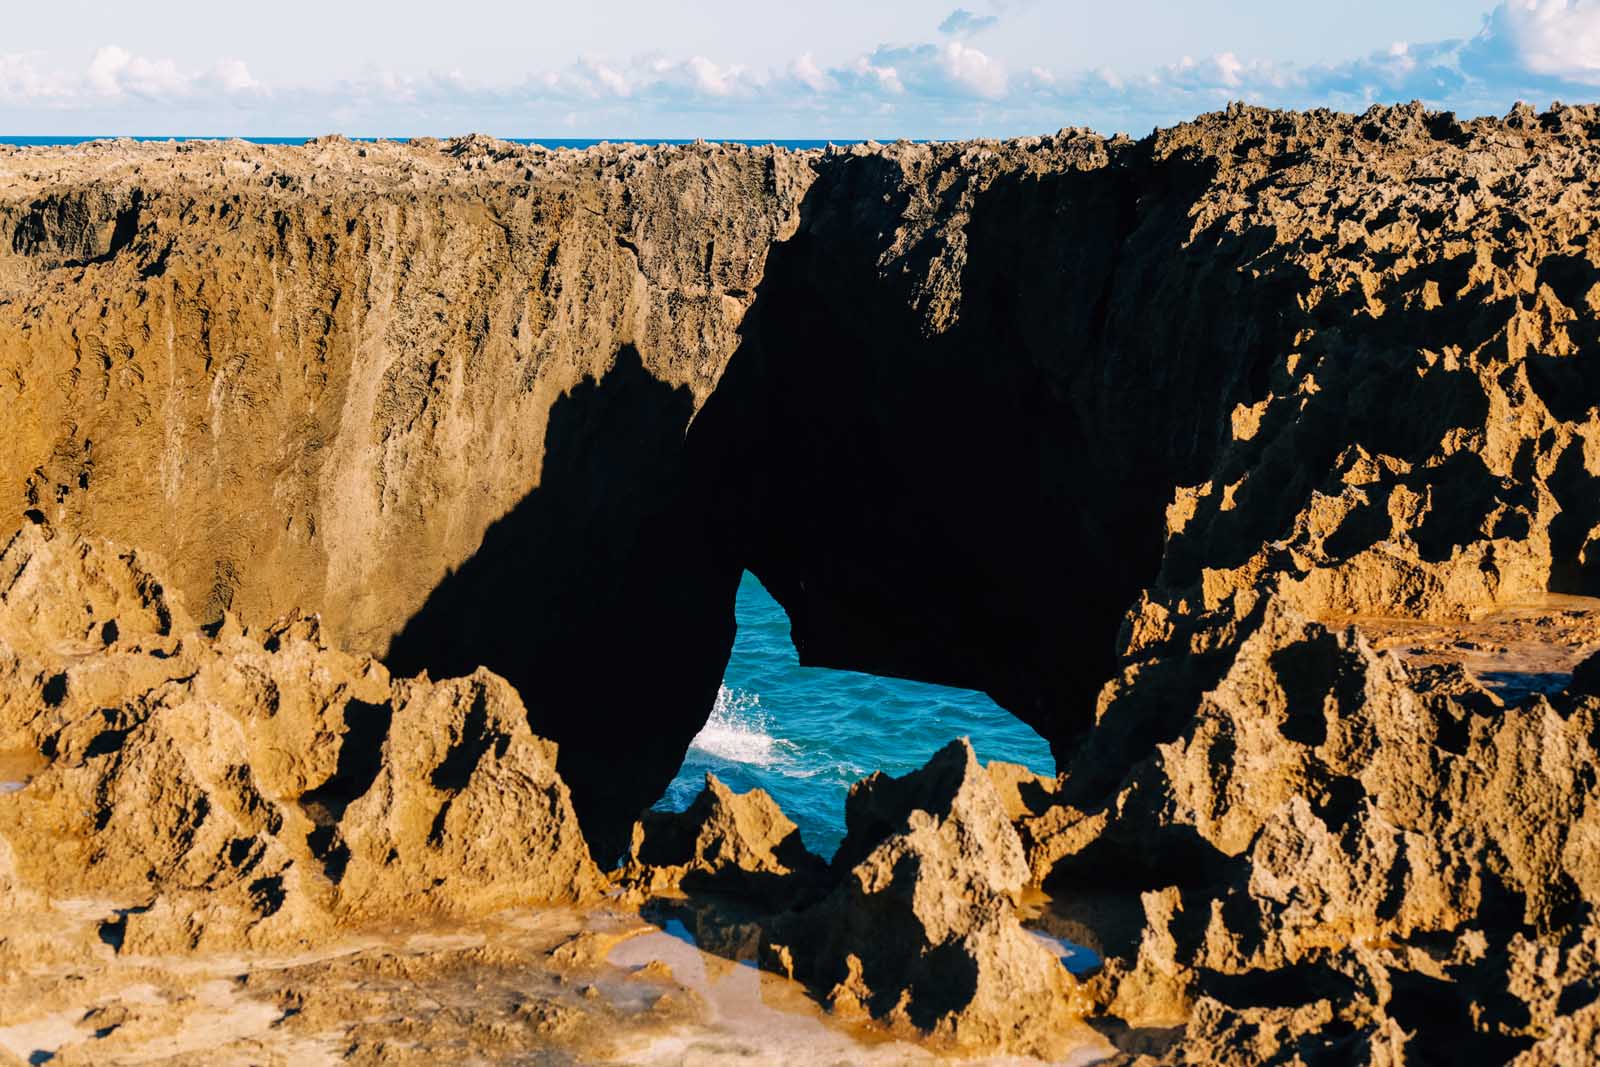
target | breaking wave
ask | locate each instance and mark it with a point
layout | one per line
(737, 732)
(805, 734)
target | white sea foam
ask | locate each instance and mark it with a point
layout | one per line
(737, 732)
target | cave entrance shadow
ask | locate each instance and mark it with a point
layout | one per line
(599, 596)
(973, 505)
(974, 499)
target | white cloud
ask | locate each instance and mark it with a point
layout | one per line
(1554, 38)
(116, 72)
(805, 71)
(610, 79)
(21, 82)
(964, 23)
(710, 78)
(1228, 68)
(588, 77)
(971, 68)
(872, 75)
(232, 76)
(1536, 49)
(941, 71)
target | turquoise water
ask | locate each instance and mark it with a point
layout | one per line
(804, 734)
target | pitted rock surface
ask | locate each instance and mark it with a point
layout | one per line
(256, 788)
(922, 931)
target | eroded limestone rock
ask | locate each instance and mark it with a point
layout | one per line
(466, 814)
(1330, 856)
(1337, 356)
(922, 930)
(256, 787)
(1304, 369)
(727, 841)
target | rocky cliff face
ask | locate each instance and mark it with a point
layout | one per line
(334, 377)
(958, 406)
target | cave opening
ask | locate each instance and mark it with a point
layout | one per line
(805, 734)
(970, 496)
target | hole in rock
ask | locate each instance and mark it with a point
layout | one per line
(114, 931)
(360, 759)
(804, 734)
(55, 690)
(106, 742)
(1081, 960)
(454, 771)
(330, 849)
(268, 895)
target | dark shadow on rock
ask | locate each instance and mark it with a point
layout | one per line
(1289, 986)
(1464, 493)
(960, 480)
(976, 502)
(1566, 385)
(1140, 859)
(1138, 1041)
(600, 597)
(360, 758)
(114, 931)
(1441, 1015)
(1585, 680)
(1574, 556)
(453, 772)
(1307, 671)
(78, 227)
(949, 982)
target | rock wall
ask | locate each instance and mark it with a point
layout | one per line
(320, 377)
(959, 406)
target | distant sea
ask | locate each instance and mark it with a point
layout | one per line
(805, 733)
(547, 142)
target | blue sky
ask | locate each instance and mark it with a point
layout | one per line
(720, 68)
